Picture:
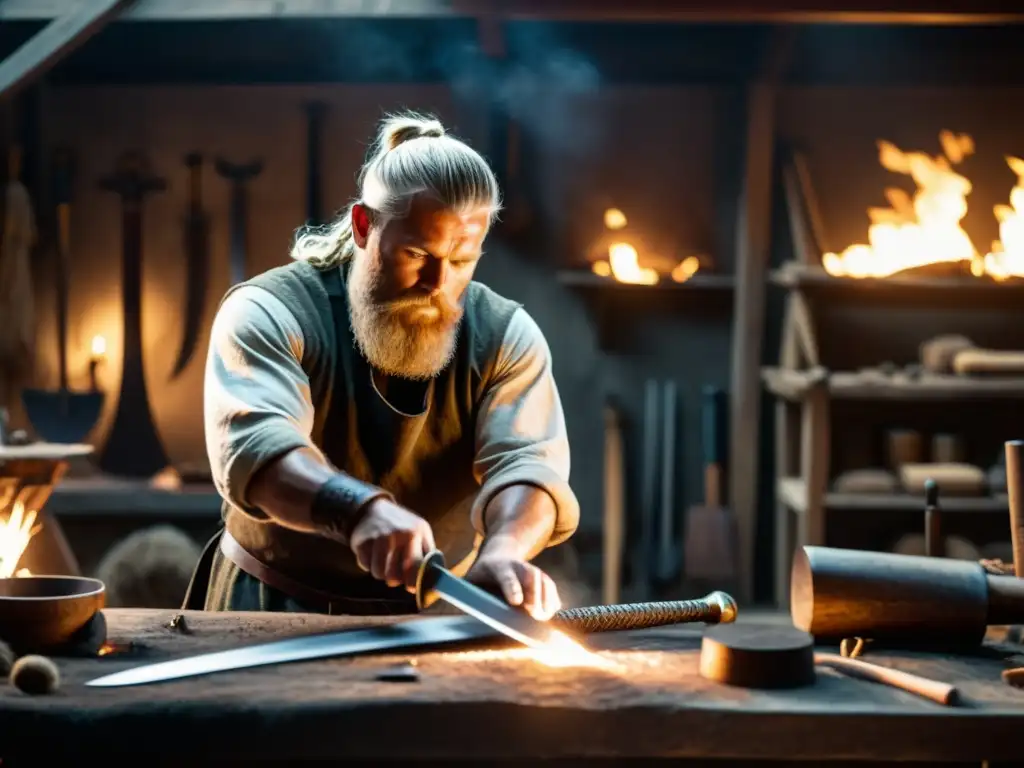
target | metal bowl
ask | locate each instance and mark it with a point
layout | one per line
(40, 613)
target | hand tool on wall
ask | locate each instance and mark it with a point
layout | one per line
(62, 416)
(667, 559)
(614, 527)
(643, 561)
(316, 113)
(900, 599)
(197, 233)
(710, 533)
(238, 176)
(1015, 493)
(133, 447)
(424, 634)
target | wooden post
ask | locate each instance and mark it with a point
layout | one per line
(753, 245)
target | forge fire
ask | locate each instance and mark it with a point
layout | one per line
(924, 227)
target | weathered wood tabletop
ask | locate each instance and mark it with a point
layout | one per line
(493, 701)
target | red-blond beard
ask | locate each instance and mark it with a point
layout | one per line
(393, 335)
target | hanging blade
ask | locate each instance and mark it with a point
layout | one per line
(418, 633)
(434, 578)
(197, 229)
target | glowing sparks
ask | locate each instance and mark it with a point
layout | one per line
(15, 534)
(560, 651)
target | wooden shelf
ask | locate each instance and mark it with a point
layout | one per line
(870, 385)
(791, 492)
(106, 497)
(795, 275)
(587, 280)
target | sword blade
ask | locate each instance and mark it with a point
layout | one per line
(491, 610)
(418, 633)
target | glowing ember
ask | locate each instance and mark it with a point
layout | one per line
(623, 263)
(15, 534)
(686, 269)
(614, 219)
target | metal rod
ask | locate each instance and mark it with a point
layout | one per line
(649, 492)
(666, 523)
(934, 541)
(1015, 491)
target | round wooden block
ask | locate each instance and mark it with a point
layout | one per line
(752, 656)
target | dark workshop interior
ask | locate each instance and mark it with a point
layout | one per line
(776, 251)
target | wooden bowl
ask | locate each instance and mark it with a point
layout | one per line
(40, 613)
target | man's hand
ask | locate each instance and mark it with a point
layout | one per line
(389, 541)
(521, 583)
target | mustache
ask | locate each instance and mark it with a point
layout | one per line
(446, 308)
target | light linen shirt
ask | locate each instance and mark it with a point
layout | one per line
(256, 393)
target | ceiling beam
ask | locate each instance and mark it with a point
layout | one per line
(741, 11)
(56, 40)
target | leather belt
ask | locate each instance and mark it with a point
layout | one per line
(310, 597)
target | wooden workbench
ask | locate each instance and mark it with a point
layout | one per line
(483, 703)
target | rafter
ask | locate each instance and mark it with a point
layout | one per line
(57, 39)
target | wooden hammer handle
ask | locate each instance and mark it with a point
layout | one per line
(940, 693)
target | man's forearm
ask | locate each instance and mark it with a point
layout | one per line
(301, 491)
(519, 522)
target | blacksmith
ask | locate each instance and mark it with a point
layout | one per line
(370, 401)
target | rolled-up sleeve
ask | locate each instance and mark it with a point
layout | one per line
(521, 436)
(257, 403)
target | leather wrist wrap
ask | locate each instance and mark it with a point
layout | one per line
(339, 505)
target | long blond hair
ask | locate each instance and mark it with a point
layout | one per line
(412, 154)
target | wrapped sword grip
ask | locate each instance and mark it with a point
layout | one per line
(716, 608)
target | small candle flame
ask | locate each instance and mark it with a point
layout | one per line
(99, 346)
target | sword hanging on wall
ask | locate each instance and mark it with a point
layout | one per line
(239, 176)
(197, 233)
(133, 447)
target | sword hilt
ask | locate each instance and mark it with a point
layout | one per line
(716, 608)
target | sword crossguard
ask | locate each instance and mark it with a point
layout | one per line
(238, 173)
(425, 596)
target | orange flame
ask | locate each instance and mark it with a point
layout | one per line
(623, 263)
(913, 232)
(15, 534)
